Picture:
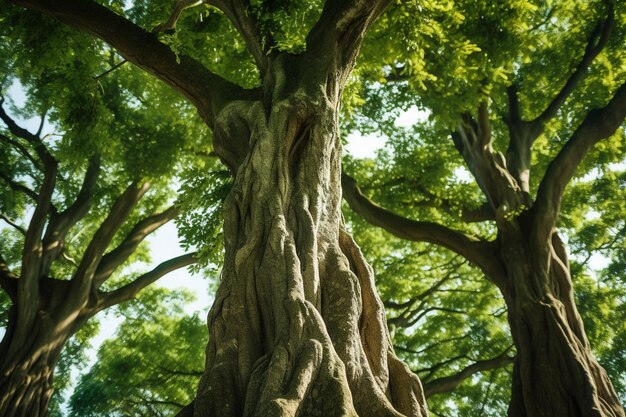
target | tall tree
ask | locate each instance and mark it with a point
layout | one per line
(555, 373)
(297, 327)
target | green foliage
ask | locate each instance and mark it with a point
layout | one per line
(152, 365)
(202, 193)
(449, 58)
(444, 57)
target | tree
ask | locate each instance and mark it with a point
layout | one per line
(555, 372)
(46, 311)
(310, 336)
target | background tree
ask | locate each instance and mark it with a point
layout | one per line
(45, 310)
(493, 107)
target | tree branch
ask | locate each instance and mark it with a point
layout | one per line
(112, 260)
(597, 41)
(335, 39)
(16, 186)
(450, 383)
(123, 206)
(241, 16)
(183, 73)
(13, 224)
(28, 284)
(41, 149)
(61, 223)
(22, 149)
(467, 215)
(474, 250)
(597, 125)
(130, 290)
(523, 133)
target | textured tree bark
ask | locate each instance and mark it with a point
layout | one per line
(297, 328)
(555, 373)
(29, 353)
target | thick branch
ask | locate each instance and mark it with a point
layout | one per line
(335, 39)
(450, 383)
(599, 124)
(523, 133)
(61, 223)
(123, 206)
(474, 250)
(130, 290)
(142, 48)
(28, 284)
(112, 260)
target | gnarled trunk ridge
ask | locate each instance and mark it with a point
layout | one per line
(28, 355)
(297, 328)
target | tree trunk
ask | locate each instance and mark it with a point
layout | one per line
(29, 353)
(555, 373)
(297, 328)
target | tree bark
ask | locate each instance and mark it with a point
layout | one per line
(297, 328)
(27, 364)
(555, 373)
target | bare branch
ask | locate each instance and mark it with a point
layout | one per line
(599, 124)
(42, 122)
(130, 290)
(183, 372)
(450, 383)
(475, 250)
(112, 260)
(110, 70)
(123, 206)
(183, 73)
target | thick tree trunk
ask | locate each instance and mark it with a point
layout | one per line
(297, 328)
(28, 355)
(555, 373)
